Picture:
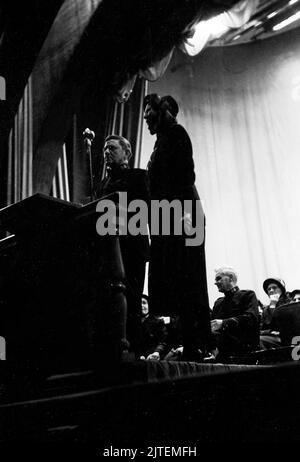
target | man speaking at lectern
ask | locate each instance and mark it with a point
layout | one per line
(135, 249)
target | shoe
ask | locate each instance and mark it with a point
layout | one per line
(209, 359)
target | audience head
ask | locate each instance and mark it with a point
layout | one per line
(274, 286)
(225, 278)
(159, 111)
(145, 305)
(295, 296)
(117, 150)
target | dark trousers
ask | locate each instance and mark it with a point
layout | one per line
(134, 280)
(178, 287)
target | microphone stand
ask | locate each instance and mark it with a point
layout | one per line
(88, 136)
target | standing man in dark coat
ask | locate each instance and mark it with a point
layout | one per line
(135, 249)
(177, 272)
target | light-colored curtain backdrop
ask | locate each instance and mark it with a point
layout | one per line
(241, 107)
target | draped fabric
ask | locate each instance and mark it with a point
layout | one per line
(157, 69)
(59, 91)
(241, 107)
(205, 31)
(92, 51)
(19, 174)
(20, 155)
(156, 28)
(60, 184)
(51, 64)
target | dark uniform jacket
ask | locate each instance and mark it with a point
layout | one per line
(171, 166)
(134, 249)
(135, 183)
(132, 180)
(240, 330)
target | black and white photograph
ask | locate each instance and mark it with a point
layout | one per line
(149, 234)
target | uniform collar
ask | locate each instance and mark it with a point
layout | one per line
(232, 291)
(117, 170)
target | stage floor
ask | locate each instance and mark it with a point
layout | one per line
(158, 403)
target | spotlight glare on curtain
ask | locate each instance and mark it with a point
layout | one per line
(214, 28)
(204, 32)
(287, 22)
(271, 15)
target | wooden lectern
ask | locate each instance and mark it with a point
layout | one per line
(61, 285)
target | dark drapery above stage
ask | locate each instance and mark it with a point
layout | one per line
(91, 50)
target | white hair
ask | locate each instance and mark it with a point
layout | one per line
(227, 271)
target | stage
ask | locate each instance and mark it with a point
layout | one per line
(157, 403)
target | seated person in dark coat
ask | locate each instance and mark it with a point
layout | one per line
(235, 317)
(134, 249)
(269, 335)
(174, 340)
(154, 334)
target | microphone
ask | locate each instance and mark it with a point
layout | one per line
(88, 134)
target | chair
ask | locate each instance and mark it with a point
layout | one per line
(287, 319)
